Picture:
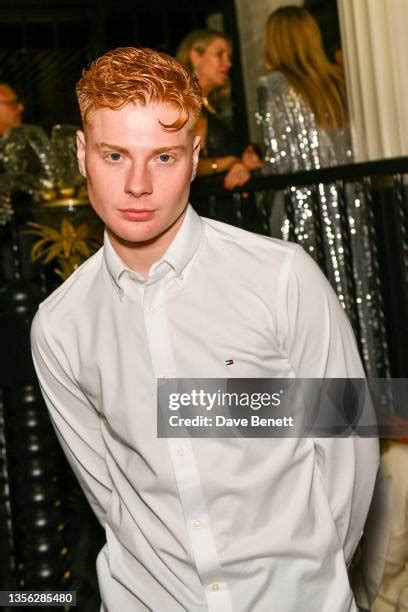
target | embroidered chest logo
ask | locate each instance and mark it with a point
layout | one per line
(229, 362)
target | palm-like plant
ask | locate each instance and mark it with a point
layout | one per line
(70, 246)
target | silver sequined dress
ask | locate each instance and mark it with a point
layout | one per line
(293, 142)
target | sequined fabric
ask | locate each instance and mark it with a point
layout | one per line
(333, 220)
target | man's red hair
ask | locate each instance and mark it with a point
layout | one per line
(131, 75)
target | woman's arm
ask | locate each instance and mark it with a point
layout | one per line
(216, 165)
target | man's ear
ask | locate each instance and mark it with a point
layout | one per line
(196, 155)
(80, 140)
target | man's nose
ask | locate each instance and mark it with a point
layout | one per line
(138, 180)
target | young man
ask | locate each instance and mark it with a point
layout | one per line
(211, 524)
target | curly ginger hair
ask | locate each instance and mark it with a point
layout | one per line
(135, 75)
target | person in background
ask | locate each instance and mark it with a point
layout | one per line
(302, 111)
(302, 101)
(208, 54)
(11, 109)
(380, 578)
(303, 117)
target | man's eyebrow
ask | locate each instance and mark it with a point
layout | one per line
(169, 148)
(106, 145)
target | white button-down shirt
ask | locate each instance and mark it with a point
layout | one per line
(242, 525)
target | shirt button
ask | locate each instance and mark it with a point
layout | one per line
(121, 292)
(181, 452)
(197, 524)
(215, 586)
(180, 277)
(152, 308)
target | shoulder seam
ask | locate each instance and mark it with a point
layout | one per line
(71, 280)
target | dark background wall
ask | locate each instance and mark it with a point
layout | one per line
(44, 44)
(325, 12)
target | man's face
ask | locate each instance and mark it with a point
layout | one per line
(138, 174)
(10, 109)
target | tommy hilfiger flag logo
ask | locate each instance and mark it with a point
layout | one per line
(229, 362)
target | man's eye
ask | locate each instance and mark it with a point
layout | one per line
(165, 157)
(114, 156)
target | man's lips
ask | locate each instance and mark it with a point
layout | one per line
(134, 214)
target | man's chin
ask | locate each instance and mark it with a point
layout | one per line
(135, 239)
(138, 234)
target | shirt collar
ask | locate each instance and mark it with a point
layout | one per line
(178, 255)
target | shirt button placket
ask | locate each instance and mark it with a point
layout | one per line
(193, 503)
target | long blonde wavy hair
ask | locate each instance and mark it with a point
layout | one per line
(293, 45)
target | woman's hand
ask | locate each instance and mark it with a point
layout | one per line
(251, 158)
(237, 176)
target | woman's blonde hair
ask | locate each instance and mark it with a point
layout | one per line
(198, 40)
(293, 45)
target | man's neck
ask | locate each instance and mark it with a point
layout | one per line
(139, 258)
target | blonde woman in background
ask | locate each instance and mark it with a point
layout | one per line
(301, 110)
(208, 54)
(302, 101)
(303, 116)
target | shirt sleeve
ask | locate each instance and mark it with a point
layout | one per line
(319, 343)
(75, 420)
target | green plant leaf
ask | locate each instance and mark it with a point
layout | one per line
(53, 252)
